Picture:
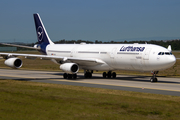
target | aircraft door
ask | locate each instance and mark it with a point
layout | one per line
(146, 54)
(113, 53)
(73, 52)
(112, 56)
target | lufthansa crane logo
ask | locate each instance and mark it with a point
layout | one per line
(40, 33)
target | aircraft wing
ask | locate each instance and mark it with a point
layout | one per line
(80, 61)
(22, 46)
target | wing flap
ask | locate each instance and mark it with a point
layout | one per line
(86, 61)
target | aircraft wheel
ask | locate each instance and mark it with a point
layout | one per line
(88, 75)
(74, 76)
(65, 75)
(109, 74)
(113, 75)
(104, 74)
(69, 76)
(151, 80)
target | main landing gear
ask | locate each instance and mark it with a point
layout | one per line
(109, 74)
(69, 76)
(88, 74)
(153, 78)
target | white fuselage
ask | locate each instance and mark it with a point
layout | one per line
(139, 57)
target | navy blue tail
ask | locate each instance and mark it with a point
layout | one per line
(41, 31)
(42, 36)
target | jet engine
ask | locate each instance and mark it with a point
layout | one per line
(71, 68)
(13, 62)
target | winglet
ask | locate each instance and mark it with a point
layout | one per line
(169, 48)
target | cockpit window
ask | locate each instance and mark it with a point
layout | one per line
(159, 53)
(167, 53)
(164, 53)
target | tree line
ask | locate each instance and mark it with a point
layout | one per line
(175, 44)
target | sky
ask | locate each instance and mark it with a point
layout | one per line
(102, 20)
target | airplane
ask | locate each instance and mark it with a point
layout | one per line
(94, 57)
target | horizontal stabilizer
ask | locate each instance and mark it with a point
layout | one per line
(22, 46)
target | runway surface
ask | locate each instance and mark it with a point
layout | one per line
(166, 86)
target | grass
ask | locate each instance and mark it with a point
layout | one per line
(28, 100)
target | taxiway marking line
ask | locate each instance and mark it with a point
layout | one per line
(96, 83)
(118, 85)
(19, 77)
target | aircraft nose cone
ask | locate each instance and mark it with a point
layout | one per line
(172, 60)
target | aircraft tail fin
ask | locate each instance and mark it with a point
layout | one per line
(41, 31)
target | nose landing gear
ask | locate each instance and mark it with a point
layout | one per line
(153, 78)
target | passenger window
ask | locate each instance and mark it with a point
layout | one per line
(162, 53)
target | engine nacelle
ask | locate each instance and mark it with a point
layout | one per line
(71, 68)
(13, 62)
